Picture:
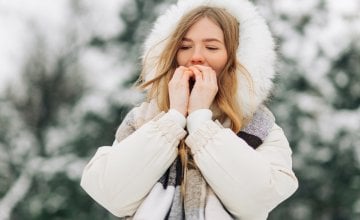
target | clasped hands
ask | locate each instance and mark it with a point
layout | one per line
(202, 94)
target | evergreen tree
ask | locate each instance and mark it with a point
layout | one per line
(55, 117)
(316, 101)
(51, 126)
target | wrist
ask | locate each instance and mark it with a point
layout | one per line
(196, 108)
(180, 110)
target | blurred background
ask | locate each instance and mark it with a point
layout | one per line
(66, 69)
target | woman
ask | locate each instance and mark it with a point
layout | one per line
(203, 146)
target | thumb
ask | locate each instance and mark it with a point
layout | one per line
(198, 75)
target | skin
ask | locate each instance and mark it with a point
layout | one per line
(201, 57)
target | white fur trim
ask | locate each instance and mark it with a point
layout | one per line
(256, 51)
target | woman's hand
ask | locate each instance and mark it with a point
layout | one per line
(179, 90)
(205, 88)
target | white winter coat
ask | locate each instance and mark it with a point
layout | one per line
(249, 183)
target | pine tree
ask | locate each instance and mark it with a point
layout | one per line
(50, 126)
(316, 101)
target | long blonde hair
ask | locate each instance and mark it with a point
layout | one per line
(226, 98)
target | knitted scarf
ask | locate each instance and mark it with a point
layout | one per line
(199, 202)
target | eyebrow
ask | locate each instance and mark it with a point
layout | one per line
(204, 40)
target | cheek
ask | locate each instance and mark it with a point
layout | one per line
(220, 63)
(180, 59)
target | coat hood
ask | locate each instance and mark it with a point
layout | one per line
(256, 47)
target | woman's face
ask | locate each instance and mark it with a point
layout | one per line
(203, 44)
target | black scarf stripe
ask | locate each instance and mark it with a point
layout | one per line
(252, 140)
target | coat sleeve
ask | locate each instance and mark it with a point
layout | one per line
(118, 177)
(250, 183)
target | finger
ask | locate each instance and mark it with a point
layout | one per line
(185, 78)
(191, 74)
(213, 76)
(207, 75)
(188, 74)
(178, 74)
(201, 67)
(206, 71)
(198, 74)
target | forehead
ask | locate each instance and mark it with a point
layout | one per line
(205, 28)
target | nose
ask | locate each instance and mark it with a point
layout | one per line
(197, 57)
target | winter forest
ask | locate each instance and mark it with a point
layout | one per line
(66, 74)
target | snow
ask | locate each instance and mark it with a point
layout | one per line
(103, 16)
(62, 27)
(103, 70)
(346, 7)
(294, 8)
(51, 20)
(12, 44)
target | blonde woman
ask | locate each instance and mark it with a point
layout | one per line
(203, 145)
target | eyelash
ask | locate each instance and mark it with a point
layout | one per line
(185, 47)
(189, 47)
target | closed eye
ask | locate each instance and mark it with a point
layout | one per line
(185, 47)
(212, 48)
